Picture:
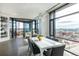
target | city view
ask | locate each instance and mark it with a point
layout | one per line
(70, 37)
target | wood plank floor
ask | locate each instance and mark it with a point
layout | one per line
(10, 47)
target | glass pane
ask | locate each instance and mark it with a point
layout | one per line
(67, 10)
(20, 26)
(27, 27)
(19, 29)
(33, 25)
(67, 29)
(39, 26)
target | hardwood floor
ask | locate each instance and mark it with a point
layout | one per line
(17, 47)
(10, 47)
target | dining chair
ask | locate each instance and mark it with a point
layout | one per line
(34, 35)
(55, 51)
(51, 38)
(48, 37)
(34, 49)
(55, 39)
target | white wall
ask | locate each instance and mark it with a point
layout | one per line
(44, 24)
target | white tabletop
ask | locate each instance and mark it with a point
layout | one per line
(45, 43)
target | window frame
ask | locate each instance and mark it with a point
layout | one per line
(54, 22)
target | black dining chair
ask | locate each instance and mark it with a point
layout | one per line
(34, 35)
(34, 49)
(48, 37)
(55, 51)
(55, 39)
(52, 38)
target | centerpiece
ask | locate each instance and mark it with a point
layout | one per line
(39, 37)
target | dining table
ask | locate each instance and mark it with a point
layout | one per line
(45, 43)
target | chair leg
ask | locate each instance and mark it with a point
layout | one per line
(28, 50)
(30, 53)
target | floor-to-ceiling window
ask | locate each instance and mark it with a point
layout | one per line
(67, 27)
(51, 18)
(27, 27)
(19, 29)
(35, 27)
(16, 28)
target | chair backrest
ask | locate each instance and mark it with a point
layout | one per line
(55, 39)
(30, 44)
(33, 47)
(48, 37)
(51, 38)
(34, 35)
(58, 51)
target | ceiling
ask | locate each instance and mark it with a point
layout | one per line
(25, 10)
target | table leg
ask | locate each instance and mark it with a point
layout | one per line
(41, 52)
